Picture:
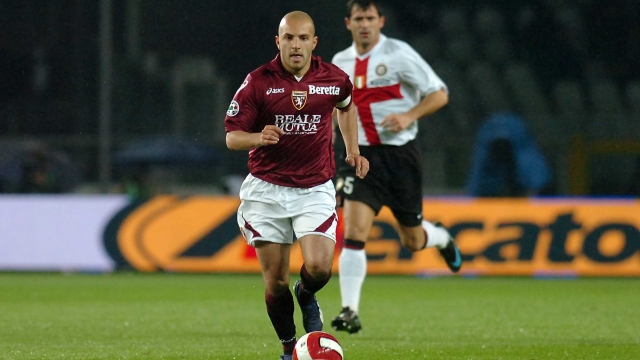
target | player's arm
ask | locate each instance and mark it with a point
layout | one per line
(419, 74)
(241, 140)
(349, 128)
(334, 123)
(241, 117)
(429, 105)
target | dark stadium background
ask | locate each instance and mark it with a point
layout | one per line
(569, 68)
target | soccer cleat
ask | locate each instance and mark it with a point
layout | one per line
(286, 357)
(347, 321)
(450, 253)
(311, 314)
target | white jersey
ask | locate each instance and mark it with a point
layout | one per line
(390, 79)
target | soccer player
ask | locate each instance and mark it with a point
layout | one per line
(393, 87)
(282, 114)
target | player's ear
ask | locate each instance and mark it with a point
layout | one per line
(347, 23)
(315, 42)
(278, 42)
(382, 19)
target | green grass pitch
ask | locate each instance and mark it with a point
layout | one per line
(177, 316)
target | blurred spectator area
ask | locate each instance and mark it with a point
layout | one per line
(569, 68)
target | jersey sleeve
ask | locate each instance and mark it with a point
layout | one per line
(335, 60)
(243, 110)
(346, 88)
(417, 72)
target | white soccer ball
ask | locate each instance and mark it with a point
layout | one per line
(318, 345)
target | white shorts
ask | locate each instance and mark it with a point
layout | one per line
(281, 214)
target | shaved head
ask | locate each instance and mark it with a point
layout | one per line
(297, 18)
(296, 40)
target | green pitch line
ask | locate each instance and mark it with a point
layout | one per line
(170, 316)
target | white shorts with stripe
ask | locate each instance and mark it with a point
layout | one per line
(275, 213)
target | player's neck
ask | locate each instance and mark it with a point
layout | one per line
(362, 49)
(299, 74)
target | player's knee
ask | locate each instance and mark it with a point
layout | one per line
(318, 269)
(412, 243)
(356, 231)
(278, 286)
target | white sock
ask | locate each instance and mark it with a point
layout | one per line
(436, 236)
(352, 271)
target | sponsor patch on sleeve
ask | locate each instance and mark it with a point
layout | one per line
(233, 109)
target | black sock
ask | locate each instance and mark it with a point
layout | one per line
(310, 285)
(353, 244)
(280, 310)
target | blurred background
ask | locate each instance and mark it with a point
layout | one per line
(129, 96)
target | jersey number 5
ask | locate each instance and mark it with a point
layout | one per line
(347, 188)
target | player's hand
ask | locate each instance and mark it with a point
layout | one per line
(396, 122)
(270, 135)
(360, 163)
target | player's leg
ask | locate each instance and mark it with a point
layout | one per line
(317, 252)
(362, 200)
(274, 262)
(265, 225)
(427, 234)
(406, 204)
(423, 235)
(352, 262)
(314, 221)
(315, 273)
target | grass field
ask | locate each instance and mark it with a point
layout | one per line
(171, 316)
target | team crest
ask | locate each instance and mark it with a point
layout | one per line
(299, 98)
(360, 82)
(381, 69)
(233, 109)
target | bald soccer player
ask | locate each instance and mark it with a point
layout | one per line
(282, 114)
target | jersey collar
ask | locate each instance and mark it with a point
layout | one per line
(276, 66)
(382, 39)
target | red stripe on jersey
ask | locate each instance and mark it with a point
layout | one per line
(363, 98)
(359, 98)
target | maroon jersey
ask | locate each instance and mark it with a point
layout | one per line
(270, 95)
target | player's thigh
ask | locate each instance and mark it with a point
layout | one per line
(313, 211)
(262, 214)
(404, 165)
(372, 189)
(357, 219)
(274, 262)
(260, 222)
(315, 223)
(317, 251)
(411, 237)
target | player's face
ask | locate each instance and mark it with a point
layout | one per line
(296, 41)
(365, 25)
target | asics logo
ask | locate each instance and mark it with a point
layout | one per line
(275, 91)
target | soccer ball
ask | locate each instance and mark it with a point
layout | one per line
(318, 345)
